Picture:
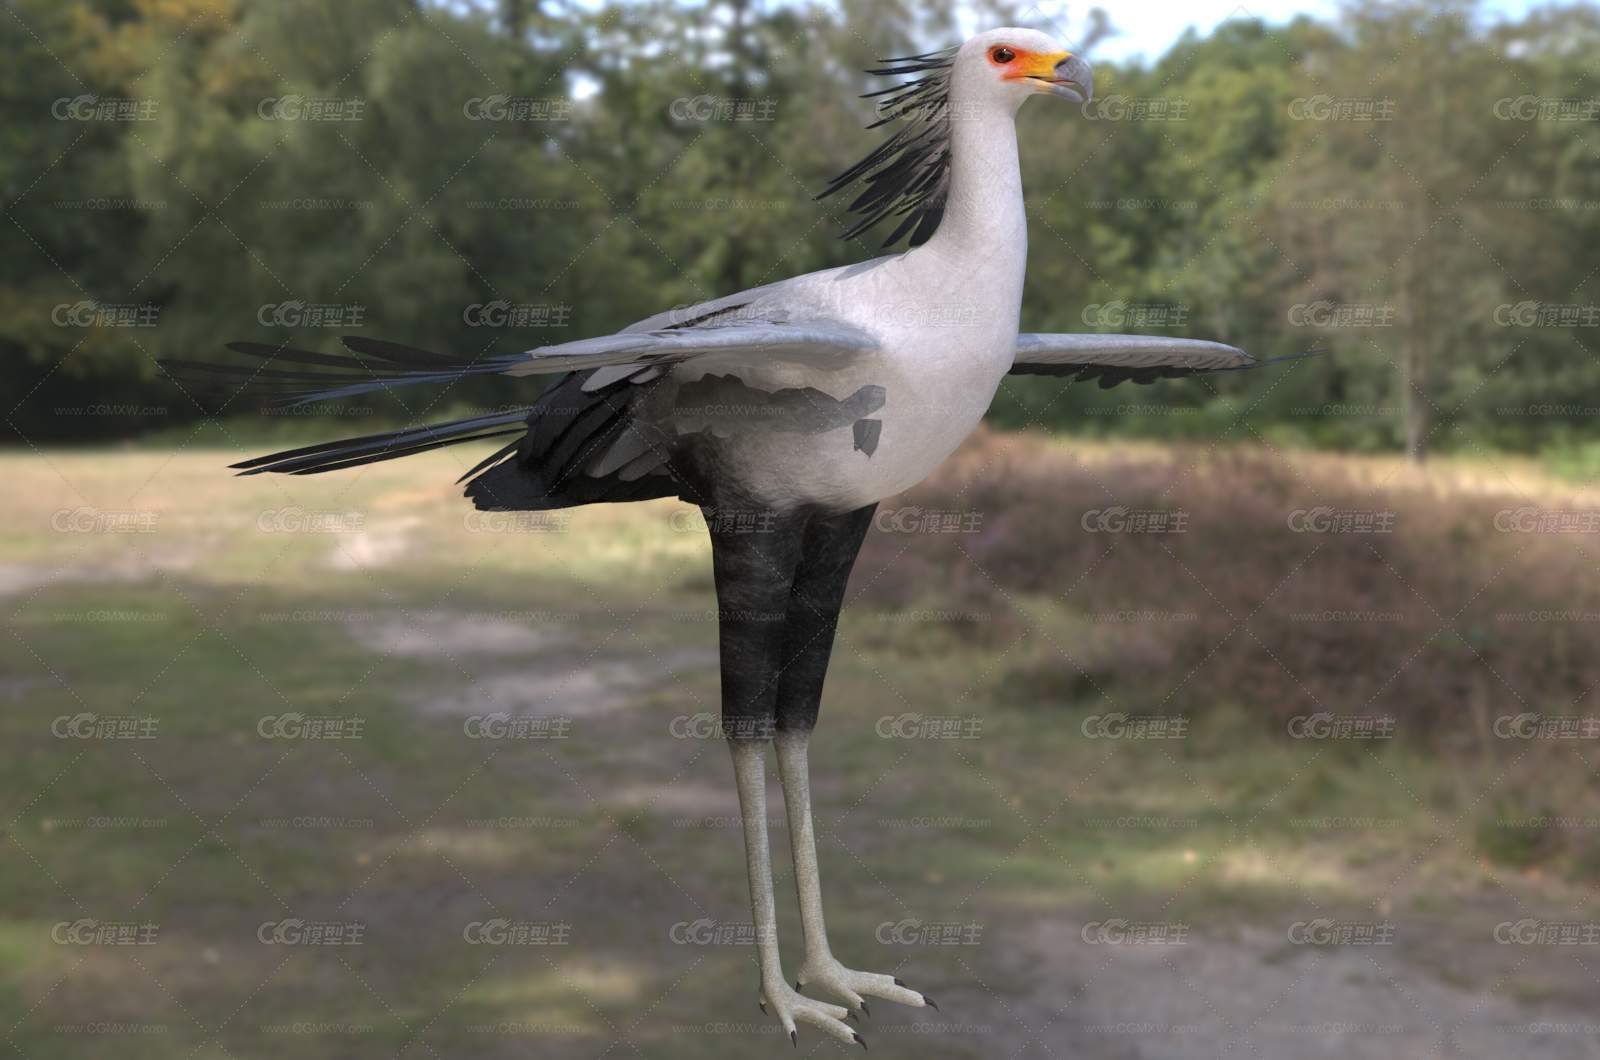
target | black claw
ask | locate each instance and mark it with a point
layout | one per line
(794, 1039)
(926, 1000)
(763, 1005)
(861, 1041)
(899, 981)
(798, 985)
(865, 1011)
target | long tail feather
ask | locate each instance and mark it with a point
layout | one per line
(389, 445)
(297, 377)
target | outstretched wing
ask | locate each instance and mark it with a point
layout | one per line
(300, 377)
(1114, 359)
(823, 344)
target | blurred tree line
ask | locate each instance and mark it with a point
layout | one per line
(1414, 190)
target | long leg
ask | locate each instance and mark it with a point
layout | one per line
(750, 773)
(821, 968)
(828, 555)
(754, 563)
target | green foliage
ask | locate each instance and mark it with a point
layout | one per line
(1218, 192)
(1518, 842)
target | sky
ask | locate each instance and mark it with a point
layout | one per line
(1150, 27)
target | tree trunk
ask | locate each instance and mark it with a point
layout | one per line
(514, 13)
(1418, 410)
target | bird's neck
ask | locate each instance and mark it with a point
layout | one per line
(984, 233)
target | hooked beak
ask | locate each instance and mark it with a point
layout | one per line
(1071, 79)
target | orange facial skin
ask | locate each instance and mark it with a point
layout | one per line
(1027, 65)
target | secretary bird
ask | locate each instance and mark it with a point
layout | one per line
(807, 401)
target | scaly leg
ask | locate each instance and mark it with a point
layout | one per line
(812, 615)
(820, 967)
(750, 773)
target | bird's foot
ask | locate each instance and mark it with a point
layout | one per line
(791, 1006)
(854, 987)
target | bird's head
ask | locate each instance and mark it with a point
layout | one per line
(983, 80)
(1007, 66)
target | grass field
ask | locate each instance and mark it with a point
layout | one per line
(240, 712)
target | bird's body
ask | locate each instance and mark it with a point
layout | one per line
(805, 402)
(786, 435)
(940, 323)
(942, 319)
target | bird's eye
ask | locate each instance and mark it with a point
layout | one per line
(1002, 55)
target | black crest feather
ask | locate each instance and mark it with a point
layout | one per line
(908, 175)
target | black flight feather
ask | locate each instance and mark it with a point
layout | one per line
(1110, 375)
(348, 452)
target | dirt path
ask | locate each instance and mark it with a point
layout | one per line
(1241, 996)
